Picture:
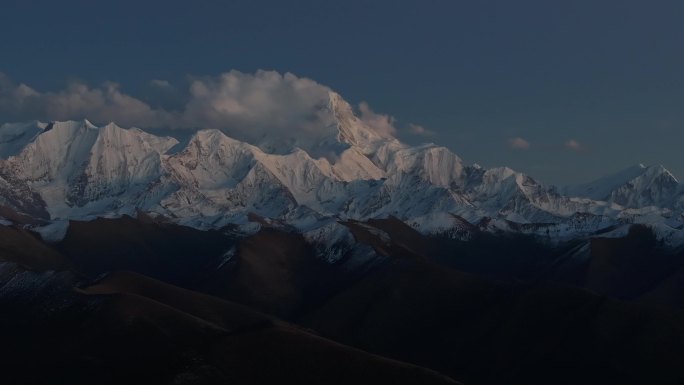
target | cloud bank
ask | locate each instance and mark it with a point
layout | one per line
(249, 107)
(267, 103)
(104, 104)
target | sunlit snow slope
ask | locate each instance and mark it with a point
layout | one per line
(75, 170)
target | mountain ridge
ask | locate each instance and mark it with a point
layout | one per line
(76, 170)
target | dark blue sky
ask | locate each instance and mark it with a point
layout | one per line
(606, 74)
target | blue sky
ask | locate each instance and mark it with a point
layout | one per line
(566, 91)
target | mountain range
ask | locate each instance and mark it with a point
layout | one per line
(137, 258)
(59, 171)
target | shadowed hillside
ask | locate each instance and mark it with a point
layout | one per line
(408, 303)
(129, 329)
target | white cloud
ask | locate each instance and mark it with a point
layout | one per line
(386, 125)
(243, 105)
(102, 104)
(160, 83)
(381, 123)
(574, 145)
(252, 105)
(265, 106)
(416, 129)
(519, 144)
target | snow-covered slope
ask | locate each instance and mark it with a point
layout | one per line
(15, 136)
(635, 187)
(76, 170)
(601, 189)
(79, 169)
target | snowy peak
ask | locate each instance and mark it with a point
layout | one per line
(15, 136)
(351, 130)
(65, 148)
(57, 151)
(133, 140)
(505, 186)
(659, 171)
(120, 157)
(656, 186)
(435, 164)
(75, 170)
(635, 187)
(74, 163)
(212, 160)
(330, 128)
(213, 142)
(600, 189)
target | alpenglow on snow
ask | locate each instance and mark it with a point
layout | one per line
(55, 172)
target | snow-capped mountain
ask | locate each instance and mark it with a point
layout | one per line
(635, 187)
(76, 170)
